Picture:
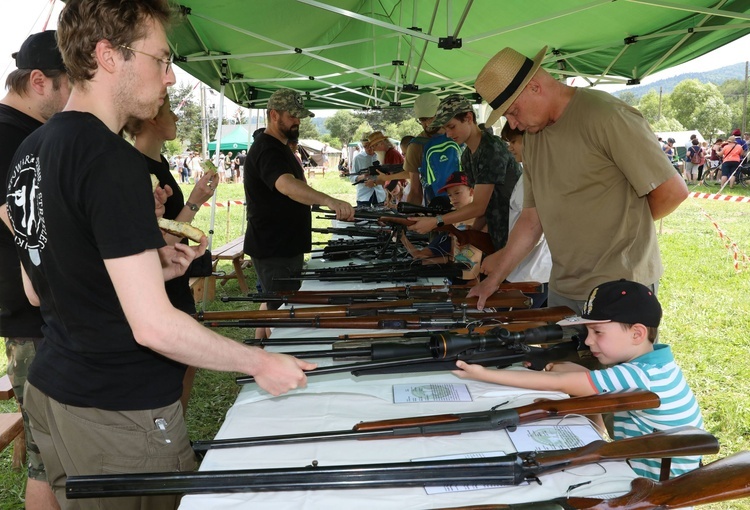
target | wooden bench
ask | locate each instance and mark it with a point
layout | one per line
(232, 251)
(11, 427)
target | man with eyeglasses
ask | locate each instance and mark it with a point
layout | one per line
(103, 390)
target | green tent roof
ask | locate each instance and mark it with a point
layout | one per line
(381, 53)
(236, 140)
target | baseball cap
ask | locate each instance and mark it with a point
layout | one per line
(288, 100)
(736, 132)
(449, 107)
(40, 51)
(455, 179)
(619, 301)
(426, 105)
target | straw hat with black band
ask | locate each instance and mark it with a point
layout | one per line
(504, 77)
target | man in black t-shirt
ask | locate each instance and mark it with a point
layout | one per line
(103, 392)
(37, 89)
(279, 220)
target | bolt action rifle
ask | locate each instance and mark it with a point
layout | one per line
(404, 321)
(457, 423)
(342, 297)
(505, 300)
(510, 469)
(441, 352)
(723, 480)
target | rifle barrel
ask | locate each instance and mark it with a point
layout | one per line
(502, 470)
(457, 423)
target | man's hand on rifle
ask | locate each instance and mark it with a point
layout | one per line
(344, 210)
(423, 224)
(484, 289)
(278, 373)
(381, 178)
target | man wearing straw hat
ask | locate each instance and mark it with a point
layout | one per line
(594, 201)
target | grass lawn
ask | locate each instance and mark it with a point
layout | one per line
(706, 319)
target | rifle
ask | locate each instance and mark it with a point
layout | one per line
(510, 469)
(403, 292)
(385, 337)
(481, 240)
(463, 319)
(722, 480)
(458, 423)
(510, 299)
(502, 350)
(443, 345)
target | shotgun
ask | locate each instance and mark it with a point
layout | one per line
(495, 352)
(502, 470)
(723, 480)
(435, 307)
(459, 423)
(458, 320)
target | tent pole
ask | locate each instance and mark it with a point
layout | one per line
(213, 197)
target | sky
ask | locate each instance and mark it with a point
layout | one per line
(20, 18)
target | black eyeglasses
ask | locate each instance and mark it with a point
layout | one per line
(166, 61)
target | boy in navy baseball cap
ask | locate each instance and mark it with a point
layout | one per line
(622, 318)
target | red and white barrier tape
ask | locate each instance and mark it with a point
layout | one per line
(225, 204)
(738, 256)
(723, 198)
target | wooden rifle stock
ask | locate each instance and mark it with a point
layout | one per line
(459, 423)
(481, 240)
(723, 480)
(509, 299)
(503, 470)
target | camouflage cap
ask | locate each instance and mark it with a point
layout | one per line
(288, 100)
(449, 107)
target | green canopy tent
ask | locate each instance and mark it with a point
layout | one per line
(382, 53)
(234, 141)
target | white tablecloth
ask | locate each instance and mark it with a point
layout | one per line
(339, 401)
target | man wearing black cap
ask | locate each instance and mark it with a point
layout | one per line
(583, 188)
(37, 89)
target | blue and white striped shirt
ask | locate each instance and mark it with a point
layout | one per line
(657, 372)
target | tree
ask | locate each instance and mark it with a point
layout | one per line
(379, 119)
(189, 113)
(362, 131)
(308, 130)
(342, 125)
(407, 127)
(628, 97)
(649, 106)
(687, 96)
(711, 116)
(667, 124)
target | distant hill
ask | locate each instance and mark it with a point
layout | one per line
(716, 76)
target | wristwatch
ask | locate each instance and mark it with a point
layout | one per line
(193, 207)
(440, 221)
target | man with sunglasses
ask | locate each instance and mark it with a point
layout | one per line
(103, 390)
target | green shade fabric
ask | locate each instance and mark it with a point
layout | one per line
(373, 53)
(233, 141)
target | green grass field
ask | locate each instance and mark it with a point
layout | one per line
(706, 319)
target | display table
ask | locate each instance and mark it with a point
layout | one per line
(339, 401)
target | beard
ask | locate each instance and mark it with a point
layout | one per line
(290, 132)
